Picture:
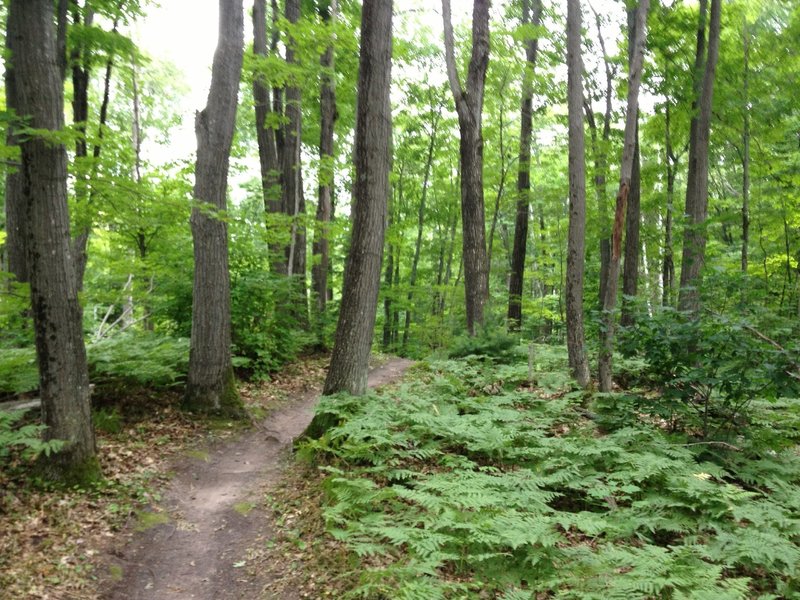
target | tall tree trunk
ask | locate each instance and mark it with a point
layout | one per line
(354, 331)
(327, 103)
(515, 282)
(504, 168)
(745, 146)
(605, 366)
(265, 134)
(412, 279)
(387, 281)
(576, 239)
(16, 225)
(630, 273)
(57, 314)
(694, 237)
(469, 106)
(210, 386)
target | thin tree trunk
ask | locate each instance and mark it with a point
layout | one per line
(515, 283)
(694, 238)
(469, 106)
(327, 102)
(504, 168)
(412, 279)
(210, 386)
(605, 365)
(389, 273)
(746, 146)
(668, 267)
(576, 240)
(57, 313)
(354, 331)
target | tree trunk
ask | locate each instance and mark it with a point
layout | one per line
(576, 239)
(469, 106)
(515, 283)
(354, 331)
(57, 314)
(211, 386)
(626, 173)
(16, 225)
(746, 147)
(327, 103)
(412, 279)
(694, 237)
(630, 274)
(265, 134)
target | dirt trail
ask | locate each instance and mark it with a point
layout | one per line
(201, 552)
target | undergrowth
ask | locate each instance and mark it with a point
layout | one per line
(468, 483)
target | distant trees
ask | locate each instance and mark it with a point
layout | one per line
(210, 386)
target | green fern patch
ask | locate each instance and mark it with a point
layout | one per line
(465, 483)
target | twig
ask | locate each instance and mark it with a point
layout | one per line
(713, 443)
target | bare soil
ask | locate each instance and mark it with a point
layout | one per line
(198, 542)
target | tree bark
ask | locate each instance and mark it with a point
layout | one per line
(515, 282)
(211, 386)
(605, 366)
(57, 314)
(354, 331)
(328, 115)
(576, 238)
(694, 237)
(633, 216)
(265, 134)
(469, 106)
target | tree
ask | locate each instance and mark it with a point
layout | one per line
(625, 185)
(372, 157)
(327, 104)
(210, 386)
(694, 236)
(524, 170)
(469, 106)
(576, 240)
(57, 314)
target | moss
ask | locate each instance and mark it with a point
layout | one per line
(147, 520)
(115, 572)
(198, 454)
(244, 508)
(64, 469)
(221, 400)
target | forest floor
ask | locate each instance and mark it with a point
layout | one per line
(204, 540)
(188, 509)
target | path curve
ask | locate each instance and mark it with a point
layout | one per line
(212, 505)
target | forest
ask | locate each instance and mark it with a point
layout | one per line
(447, 300)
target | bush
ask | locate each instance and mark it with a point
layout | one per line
(146, 359)
(18, 370)
(495, 345)
(25, 438)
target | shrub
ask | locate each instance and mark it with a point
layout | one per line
(142, 358)
(23, 437)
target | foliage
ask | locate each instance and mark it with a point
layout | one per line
(24, 438)
(495, 345)
(448, 488)
(711, 370)
(145, 359)
(18, 371)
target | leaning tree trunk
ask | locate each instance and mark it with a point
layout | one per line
(576, 238)
(515, 282)
(57, 315)
(372, 157)
(469, 106)
(694, 237)
(626, 172)
(211, 386)
(327, 105)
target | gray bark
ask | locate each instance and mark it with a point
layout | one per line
(469, 106)
(372, 156)
(694, 237)
(576, 237)
(57, 314)
(605, 365)
(211, 386)
(515, 285)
